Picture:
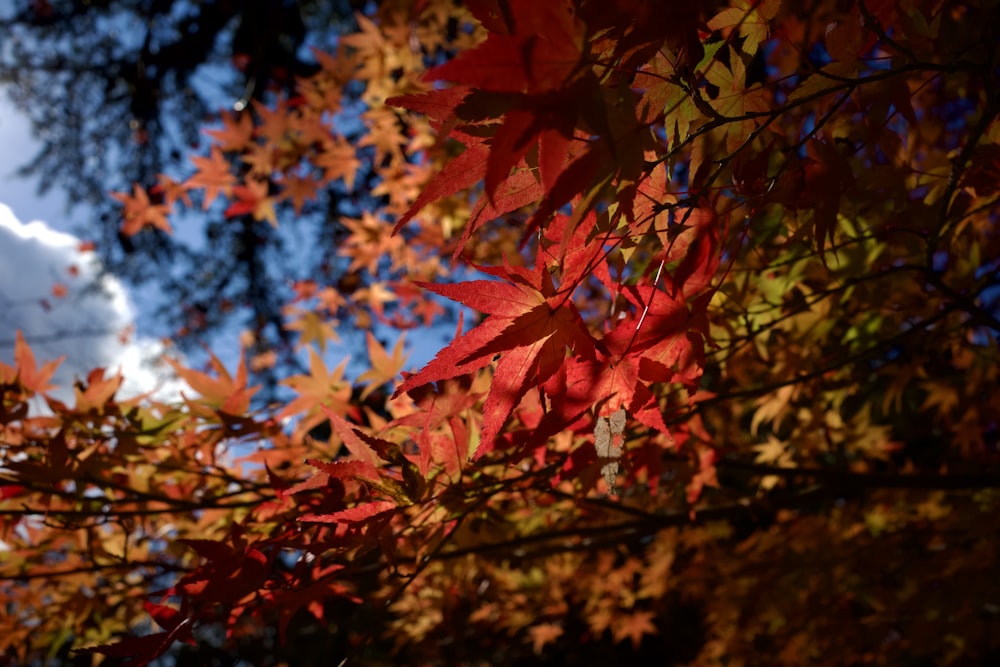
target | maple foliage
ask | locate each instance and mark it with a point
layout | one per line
(728, 394)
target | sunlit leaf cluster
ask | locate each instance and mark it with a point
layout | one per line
(728, 395)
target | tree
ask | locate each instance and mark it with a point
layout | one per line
(728, 395)
(109, 111)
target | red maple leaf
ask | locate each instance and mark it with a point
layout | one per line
(227, 573)
(253, 198)
(353, 514)
(520, 189)
(530, 325)
(139, 651)
(658, 341)
(538, 50)
(548, 120)
(460, 173)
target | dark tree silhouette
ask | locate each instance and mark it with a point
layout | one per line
(117, 92)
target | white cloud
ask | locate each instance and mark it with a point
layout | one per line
(53, 292)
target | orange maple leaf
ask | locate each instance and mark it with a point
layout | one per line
(224, 392)
(171, 190)
(371, 239)
(140, 211)
(338, 159)
(97, 392)
(213, 175)
(544, 633)
(262, 159)
(633, 626)
(236, 133)
(274, 123)
(319, 387)
(299, 190)
(26, 370)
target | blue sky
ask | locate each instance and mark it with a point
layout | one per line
(38, 251)
(94, 323)
(19, 193)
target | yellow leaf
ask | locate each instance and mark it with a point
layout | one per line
(384, 368)
(313, 329)
(752, 22)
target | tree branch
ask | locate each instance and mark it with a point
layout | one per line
(850, 481)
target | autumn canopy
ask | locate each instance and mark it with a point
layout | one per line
(722, 387)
